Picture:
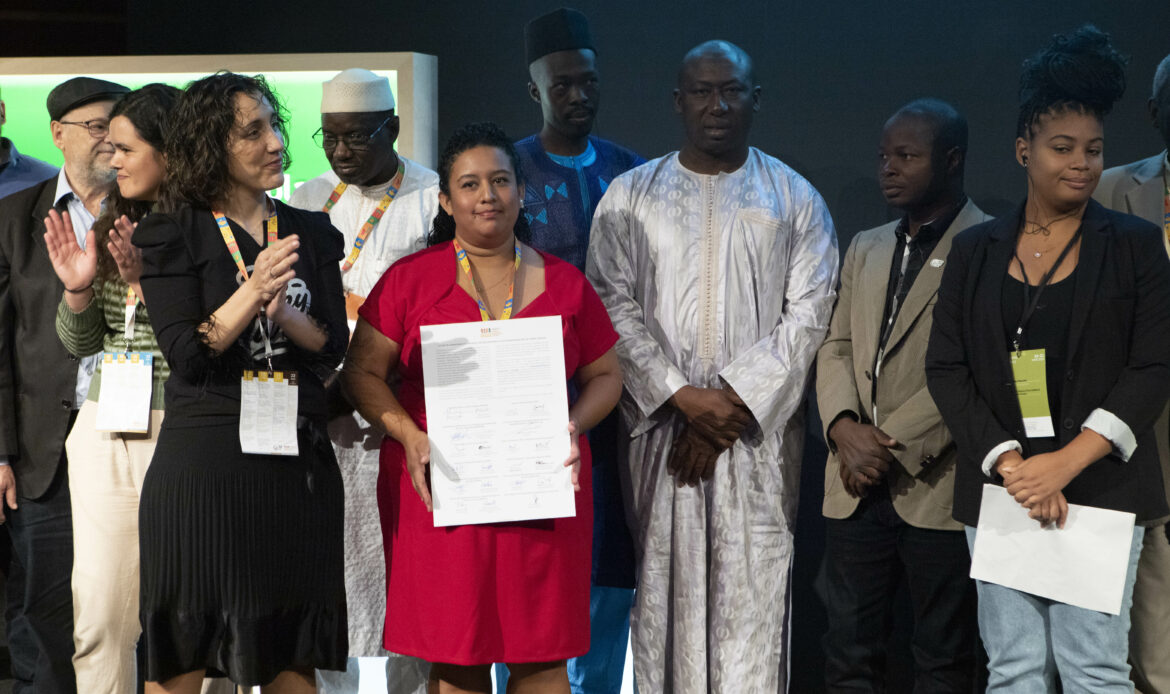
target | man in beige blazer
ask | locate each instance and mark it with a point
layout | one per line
(1140, 189)
(890, 473)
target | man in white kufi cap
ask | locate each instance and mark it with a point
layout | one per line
(383, 203)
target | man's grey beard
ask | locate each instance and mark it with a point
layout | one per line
(100, 176)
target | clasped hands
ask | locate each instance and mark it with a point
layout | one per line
(864, 454)
(716, 418)
(1037, 483)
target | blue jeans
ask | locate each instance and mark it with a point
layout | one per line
(1031, 640)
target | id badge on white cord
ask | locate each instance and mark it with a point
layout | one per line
(268, 412)
(124, 400)
(1028, 370)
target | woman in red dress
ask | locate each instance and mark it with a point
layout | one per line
(465, 597)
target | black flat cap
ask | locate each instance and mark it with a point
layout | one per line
(80, 91)
(560, 30)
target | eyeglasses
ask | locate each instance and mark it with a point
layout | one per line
(98, 127)
(353, 141)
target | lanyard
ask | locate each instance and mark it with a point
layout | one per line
(1166, 206)
(128, 325)
(1030, 306)
(372, 222)
(461, 256)
(229, 240)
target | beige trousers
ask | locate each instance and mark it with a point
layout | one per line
(105, 481)
(1149, 633)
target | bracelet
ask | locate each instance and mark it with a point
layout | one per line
(79, 291)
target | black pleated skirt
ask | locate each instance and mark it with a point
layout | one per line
(242, 558)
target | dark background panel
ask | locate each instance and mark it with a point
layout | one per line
(832, 72)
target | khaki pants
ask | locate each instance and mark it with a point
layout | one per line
(105, 480)
(1149, 635)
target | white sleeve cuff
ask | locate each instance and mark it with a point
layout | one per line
(1111, 427)
(994, 453)
(675, 381)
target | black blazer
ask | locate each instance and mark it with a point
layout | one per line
(1118, 356)
(37, 375)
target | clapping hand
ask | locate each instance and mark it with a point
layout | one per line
(126, 255)
(272, 272)
(75, 267)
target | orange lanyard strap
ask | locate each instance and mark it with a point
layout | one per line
(461, 256)
(368, 227)
(229, 240)
(1166, 206)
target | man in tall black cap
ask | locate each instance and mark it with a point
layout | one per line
(565, 171)
(42, 385)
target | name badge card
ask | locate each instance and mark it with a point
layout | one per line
(124, 400)
(1032, 390)
(268, 413)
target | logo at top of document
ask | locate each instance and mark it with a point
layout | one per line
(489, 332)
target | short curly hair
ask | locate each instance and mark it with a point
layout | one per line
(1080, 71)
(470, 136)
(201, 130)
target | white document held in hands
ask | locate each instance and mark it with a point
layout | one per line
(1082, 564)
(497, 412)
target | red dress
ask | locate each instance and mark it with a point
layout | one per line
(476, 594)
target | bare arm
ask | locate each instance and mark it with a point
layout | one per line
(600, 384)
(371, 358)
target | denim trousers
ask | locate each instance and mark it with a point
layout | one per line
(1031, 641)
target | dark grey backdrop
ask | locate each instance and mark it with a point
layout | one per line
(832, 72)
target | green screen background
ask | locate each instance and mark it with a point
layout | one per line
(28, 120)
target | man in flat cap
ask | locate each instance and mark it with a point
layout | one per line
(565, 171)
(383, 203)
(42, 386)
(19, 171)
(717, 264)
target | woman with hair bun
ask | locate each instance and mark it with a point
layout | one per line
(1087, 290)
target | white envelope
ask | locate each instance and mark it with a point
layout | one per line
(1082, 564)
